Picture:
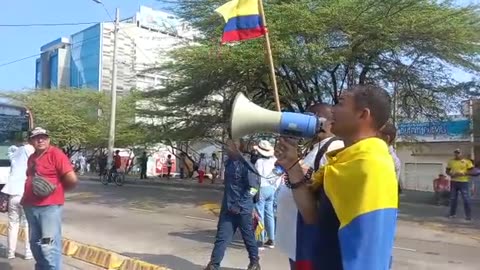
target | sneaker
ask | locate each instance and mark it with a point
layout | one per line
(11, 256)
(452, 216)
(269, 244)
(28, 256)
(210, 267)
(254, 266)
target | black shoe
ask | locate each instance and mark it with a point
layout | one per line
(254, 266)
(269, 244)
(210, 267)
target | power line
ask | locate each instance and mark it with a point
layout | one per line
(19, 60)
(39, 54)
(47, 24)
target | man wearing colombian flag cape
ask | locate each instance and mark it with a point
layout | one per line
(353, 198)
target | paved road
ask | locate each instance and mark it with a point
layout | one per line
(166, 224)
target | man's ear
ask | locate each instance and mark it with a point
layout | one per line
(365, 113)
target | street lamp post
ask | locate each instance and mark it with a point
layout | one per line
(113, 107)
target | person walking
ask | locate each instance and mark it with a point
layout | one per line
(269, 182)
(143, 165)
(202, 168)
(169, 165)
(241, 184)
(49, 175)
(83, 163)
(15, 187)
(214, 167)
(459, 170)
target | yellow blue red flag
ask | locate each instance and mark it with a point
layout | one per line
(243, 20)
(358, 193)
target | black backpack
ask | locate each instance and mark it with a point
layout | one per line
(322, 150)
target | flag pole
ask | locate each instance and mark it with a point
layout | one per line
(270, 57)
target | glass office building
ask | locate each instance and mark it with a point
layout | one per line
(85, 58)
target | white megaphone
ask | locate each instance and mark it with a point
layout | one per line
(249, 118)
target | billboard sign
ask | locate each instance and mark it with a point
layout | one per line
(436, 131)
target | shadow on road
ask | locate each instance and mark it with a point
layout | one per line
(170, 261)
(208, 236)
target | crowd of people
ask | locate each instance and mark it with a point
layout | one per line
(333, 207)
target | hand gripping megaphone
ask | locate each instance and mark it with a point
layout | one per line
(249, 118)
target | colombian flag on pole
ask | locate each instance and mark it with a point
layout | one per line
(243, 20)
(360, 186)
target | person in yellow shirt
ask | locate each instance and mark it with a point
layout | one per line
(459, 170)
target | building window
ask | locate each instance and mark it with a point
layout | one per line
(38, 74)
(54, 71)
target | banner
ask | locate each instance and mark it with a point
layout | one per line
(452, 130)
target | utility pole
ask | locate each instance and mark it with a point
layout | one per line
(113, 108)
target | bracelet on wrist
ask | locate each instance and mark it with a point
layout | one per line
(306, 179)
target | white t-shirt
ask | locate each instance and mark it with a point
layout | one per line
(286, 234)
(18, 171)
(264, 168)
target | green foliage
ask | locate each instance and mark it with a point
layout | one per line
(320, 49)
(79, 118)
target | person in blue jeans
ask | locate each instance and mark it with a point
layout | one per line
(49, 175)
(241, 185)
(268, 188)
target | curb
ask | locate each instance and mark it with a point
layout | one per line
(101, 257)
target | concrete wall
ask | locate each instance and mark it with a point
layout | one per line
(423, 161)
(63, 68)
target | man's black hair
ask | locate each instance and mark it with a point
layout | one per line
(376, 99)
(322, 110)
(389, 130)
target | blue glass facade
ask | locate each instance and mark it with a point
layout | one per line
(38, 73)
(54, 70)
(85, 58)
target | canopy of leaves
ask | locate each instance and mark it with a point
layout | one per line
(79, 119)
(320, 48)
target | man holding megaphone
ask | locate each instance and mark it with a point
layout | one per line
(295, 238)
(353, 198)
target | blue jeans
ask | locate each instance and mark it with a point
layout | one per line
(227, 226)
(45, 224)
(463, 188)
(265, 211)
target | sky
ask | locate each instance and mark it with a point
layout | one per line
(20, 42)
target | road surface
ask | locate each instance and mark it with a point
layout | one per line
(166, 224)
(20, 264)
